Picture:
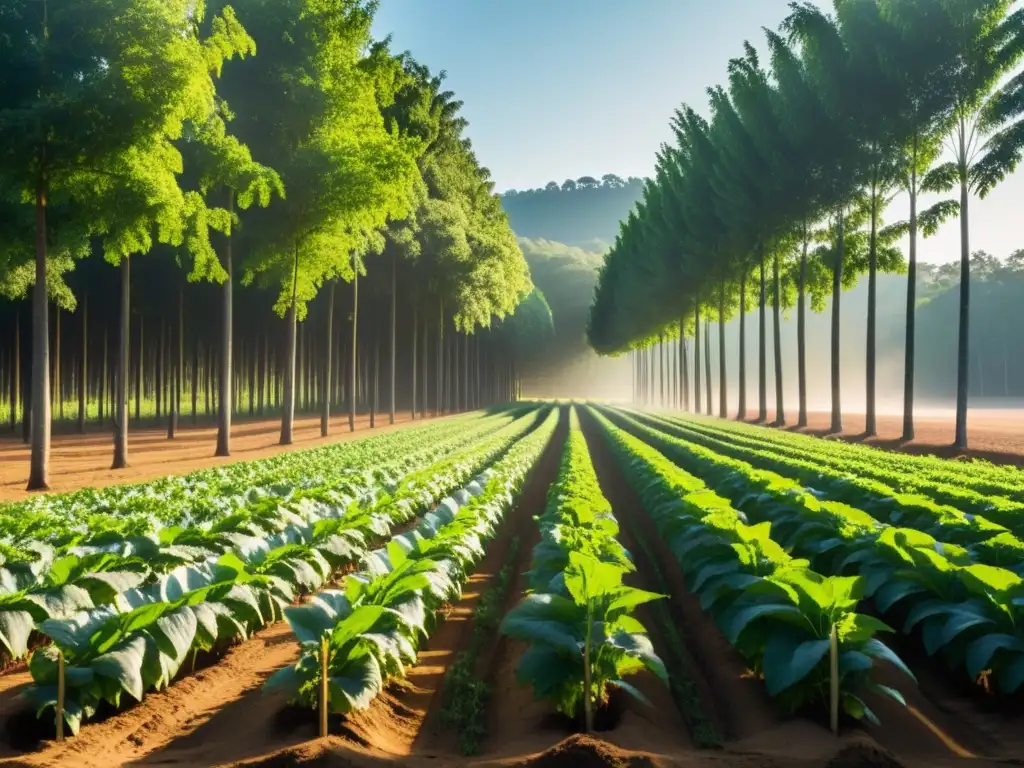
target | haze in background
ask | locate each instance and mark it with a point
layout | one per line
(571, 88)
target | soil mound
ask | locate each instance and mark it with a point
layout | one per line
(863, 754)
(581, 751)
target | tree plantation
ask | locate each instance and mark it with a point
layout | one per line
(273, 150)
(338, 457)
(781, 196)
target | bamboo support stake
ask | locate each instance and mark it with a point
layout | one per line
(60, 696)
(833, 652)
(323, 686)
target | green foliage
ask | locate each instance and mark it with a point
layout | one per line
(775, 610)
(578, 617)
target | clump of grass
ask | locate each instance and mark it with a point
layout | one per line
(464, 694)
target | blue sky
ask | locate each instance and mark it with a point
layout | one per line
(564, 88)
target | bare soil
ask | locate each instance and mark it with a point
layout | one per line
(83, 461)
(994, 434)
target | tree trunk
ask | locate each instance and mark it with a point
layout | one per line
(38, 478)
(707, 365)
(394, 333)
(195, 379)
(741, 412)
(963, 339)
(870, 424)
(414, 337)
(102, 394)
(124, 356)
(661, 363)
(424, 406)
(762, 353)
(57, 392)
(355, 351)
(288, 407)
(139, 366)
(179, 369)
(723, 407)
(225, 406)
(837, 287)
(780, 410)
(801, 334)
(696, 361)
(325, 394)
(83, 395)
(911, 313)
(15, 371)
(376, 378)
(160, 371)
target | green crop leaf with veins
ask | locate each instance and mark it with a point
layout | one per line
(585, 635)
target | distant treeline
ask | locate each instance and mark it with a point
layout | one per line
(576, 212)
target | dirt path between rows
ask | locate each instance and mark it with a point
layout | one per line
(83, 461)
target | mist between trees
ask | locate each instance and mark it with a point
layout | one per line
(248, 207)
(780, 196)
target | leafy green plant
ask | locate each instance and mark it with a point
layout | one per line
(584, 642)
(777, 612)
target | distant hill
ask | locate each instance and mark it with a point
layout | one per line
(584, 212)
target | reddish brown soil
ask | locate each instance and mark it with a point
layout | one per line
(993, 434)
(83, 461)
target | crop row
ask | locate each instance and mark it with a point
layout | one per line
(779, 614)
(969, 613)
(368, 631)
(206, 495)
(578, 615)
(975, 487)
(124, 572)
(986, 541)
(140, 640)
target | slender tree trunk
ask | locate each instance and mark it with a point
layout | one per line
(837, 287)
(780, 410)
(394, 333)
(661, 365)
(325, 394)
(104, 374)
(355, 350)
(707, 365)
(83, 394)
(440, 358)
(57, 392)
(762, 354)
(741, 412)
(963, 339)
(15, 372)
(696, 361)
(288, 406)
(225, 406)
(723, 405)
(195, 380)
(424, 403)
(124, 353)
(870, 424)
(414, 337)
(376, 378)
(38, 478)
(179, 369)
(801, 334)
(911, 310)
(139, 366)
(159, 371)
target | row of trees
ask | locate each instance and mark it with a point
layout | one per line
(780, 195)
(268, 142)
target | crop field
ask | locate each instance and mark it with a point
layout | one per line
(536, 584)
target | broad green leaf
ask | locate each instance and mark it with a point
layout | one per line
(124, 666)
(742, 618)
(980, 651)
(788, 659)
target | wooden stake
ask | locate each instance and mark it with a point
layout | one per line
(60, 696)
(323, 686)
(833, 652)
